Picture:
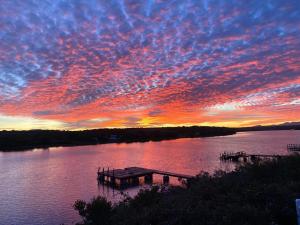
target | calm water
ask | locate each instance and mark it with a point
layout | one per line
(39, 187)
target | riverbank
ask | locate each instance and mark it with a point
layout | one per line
(33, 139)
(263, 193)
(26, 140)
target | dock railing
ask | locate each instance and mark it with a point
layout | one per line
(293, 147)
(237, 156)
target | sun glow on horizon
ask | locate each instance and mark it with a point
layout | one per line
(28, 123)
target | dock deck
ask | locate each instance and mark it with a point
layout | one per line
(131, 175)
(236, 156)
(126, 173)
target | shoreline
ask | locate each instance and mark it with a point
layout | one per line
(15, 141)
(26, 148)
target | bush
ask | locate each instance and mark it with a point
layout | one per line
(97, 212)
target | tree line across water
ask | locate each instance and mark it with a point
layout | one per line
(24, 140)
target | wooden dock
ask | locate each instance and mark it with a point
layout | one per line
(238, 156)
(130, 176)
(177, 175)
(293, 147)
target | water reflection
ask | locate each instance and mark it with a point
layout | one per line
(39, 187)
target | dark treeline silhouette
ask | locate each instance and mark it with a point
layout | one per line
(271, 127)
(25, 140)
(261, 193)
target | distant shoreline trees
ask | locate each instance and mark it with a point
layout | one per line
(26, 140)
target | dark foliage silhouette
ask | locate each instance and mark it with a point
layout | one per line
(260, 193)
(24, 140)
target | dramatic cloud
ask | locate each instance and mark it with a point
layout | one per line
(86, 64)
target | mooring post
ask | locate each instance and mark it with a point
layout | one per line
(122, 183)
(135, 181)
(108, 177)
(100, 175)
(148, 178)
(166, 179)
(113, 180)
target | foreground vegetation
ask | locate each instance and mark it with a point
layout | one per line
(284, 126)
(25, 140)
(254, 194)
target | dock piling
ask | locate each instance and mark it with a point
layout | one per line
(166, 179)
(148, 178)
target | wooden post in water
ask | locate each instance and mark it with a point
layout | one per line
(122, 183)
(108, 178)
(135, 180)
(100, 175)
(113, 179)
(148, 178)
(166, 179)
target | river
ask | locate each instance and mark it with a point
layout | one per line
(38, 187)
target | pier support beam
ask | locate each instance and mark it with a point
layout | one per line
(112, 181)
(123, 183)
(101, 178)
(135, 180)
(166, 179)
(149, 178)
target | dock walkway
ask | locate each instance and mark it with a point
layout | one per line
(237, 156)
(178, 175)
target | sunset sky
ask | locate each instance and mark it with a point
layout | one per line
(93, 64)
